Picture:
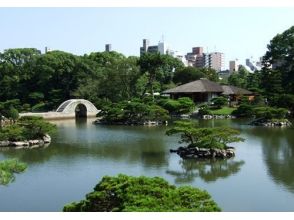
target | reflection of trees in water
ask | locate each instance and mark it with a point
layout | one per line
(208, 170)
(278, 151)
(151, 152)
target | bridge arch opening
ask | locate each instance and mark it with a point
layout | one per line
(81, 111)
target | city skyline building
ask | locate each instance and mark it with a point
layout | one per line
(233, 66)
(108, 47)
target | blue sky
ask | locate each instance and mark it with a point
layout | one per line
(237, 32)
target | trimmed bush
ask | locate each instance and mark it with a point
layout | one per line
(142, 194)
(270, 112)
(244, 110)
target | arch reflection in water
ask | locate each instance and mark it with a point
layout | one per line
(208, 170)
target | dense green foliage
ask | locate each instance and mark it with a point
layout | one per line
(219, 102)
(31, 81)
(182, 105)
(8, 168)
(217, 137)
(278, 71)
(270, 113)
(275, 81)
(246, 110)
(41, 82)
(189, 74)
(135, 111)
(158, 68)
(142, 194)
(26, 128)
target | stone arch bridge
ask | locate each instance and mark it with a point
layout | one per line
(72, 108)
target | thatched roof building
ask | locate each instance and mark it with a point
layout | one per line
(204, 90)
(233, 90)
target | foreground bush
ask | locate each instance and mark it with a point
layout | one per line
(142, 194)
(8, 168)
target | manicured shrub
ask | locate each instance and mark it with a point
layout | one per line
(244, 110)
(142, 194)
(204, 110)
(270, 112)
(220, 101)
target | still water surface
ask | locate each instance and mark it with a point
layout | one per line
(259, 178)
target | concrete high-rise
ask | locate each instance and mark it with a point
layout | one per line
(197, 50)
(107, 47)
(161, 48)
(214, 61)
(233, 66)
(211, 60)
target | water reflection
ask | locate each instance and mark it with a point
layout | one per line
(79, 139)
(207, 170)
(278, 153)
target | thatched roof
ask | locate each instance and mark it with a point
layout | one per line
(233, 90)
(202, 85)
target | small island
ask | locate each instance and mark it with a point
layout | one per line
(26, 132)
(204, 142)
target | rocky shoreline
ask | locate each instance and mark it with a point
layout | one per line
(27, 143)
(132, 123)
(271, 123)
(195, 152)
(218, 117)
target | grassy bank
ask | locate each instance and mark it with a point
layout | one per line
(223, 111)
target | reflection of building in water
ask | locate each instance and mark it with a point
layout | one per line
(207, 170)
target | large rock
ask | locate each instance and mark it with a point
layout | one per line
(47, 139)
(19, 143)
(4, 143)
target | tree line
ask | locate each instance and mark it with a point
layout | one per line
(275, 81)
(38, 82)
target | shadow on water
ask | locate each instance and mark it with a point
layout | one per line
(208, 170)
(278, 153)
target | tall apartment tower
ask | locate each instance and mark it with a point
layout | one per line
(107, 47)
(196, 58)
(197, 50)
(215, 61)
(145, 47)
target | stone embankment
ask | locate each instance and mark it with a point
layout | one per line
(146, 123)
(271, 123)
(195, 152)
(218, 117)
(27, 143)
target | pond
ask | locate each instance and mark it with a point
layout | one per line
(259, 178)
